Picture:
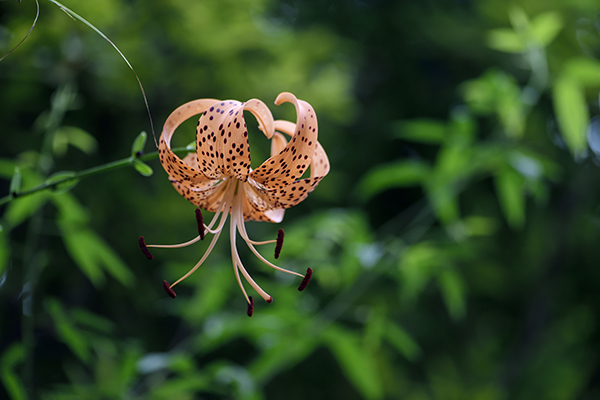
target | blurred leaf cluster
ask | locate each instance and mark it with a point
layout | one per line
(454, 242)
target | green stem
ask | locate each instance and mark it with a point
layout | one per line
(85, 173)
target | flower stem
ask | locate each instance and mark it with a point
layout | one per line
(125, 162)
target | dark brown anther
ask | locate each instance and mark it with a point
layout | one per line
(144, 248)
(250, 307)
(168, 289)
(305, 281)
(200, 222)
(279, 244)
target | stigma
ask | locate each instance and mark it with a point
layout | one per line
(232, 203)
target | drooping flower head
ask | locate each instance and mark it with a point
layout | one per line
(218, 177)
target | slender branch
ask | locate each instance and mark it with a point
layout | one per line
(125, 162)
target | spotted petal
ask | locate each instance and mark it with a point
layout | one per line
(287, 166)
(222, 138)
(175, 167)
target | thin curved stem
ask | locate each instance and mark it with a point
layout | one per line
(126, 162)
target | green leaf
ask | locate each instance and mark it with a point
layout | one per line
(402, 341)
(421, 130)
(505, 40)
(510, 188)
(23, 208)
(15, 183)
(91, 253)
(571, 112)
(358, 365)
(12, 356)
(4, 249)
(583, 70)
(138, 144)
(141, 167)
(399, 174)
(81, 245)
(454, 292)
(74, 136)
(70, 181)
(67, 331)
(546, 26)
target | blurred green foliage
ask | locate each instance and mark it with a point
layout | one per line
(454, 243)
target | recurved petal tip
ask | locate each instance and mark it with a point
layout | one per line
(305, 281)
(144, 248)
(250, 310)
(168, 289)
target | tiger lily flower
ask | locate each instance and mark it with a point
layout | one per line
(218, 177)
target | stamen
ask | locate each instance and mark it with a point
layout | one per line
(250, 310)
(279, 244)
(144, 248)
(226, 204)
(168, 289)
(250, 243)
(237, 212)
(200, 223)
(305, 281)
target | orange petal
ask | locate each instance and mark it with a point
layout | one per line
(263, 116)
(278, 143)
(222, 138)
(175, 167)
(257, 206)
(208, 198)
(289, 164)
(319, 165)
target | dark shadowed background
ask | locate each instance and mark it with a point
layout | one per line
(455, 242)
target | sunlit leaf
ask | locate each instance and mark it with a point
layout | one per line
(402, 341)
(23, 208)
(358, 366)
(571, 112)
(510, 188)
(398, 174)
(454, 292)
(545, 27)
(583, 70)
(421, 130)
(9, 372)
(74, 136)
(505, 40)
(67, 331)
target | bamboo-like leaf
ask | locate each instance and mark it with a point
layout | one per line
(12, 356)
(571, 112)
(510, 188)
(398, 174)
(67, 331)
(454, 293)
(357, 364)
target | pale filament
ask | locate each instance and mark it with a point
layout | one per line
(236, 211)
(244, 234)
(194, 240)
(229, 194)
